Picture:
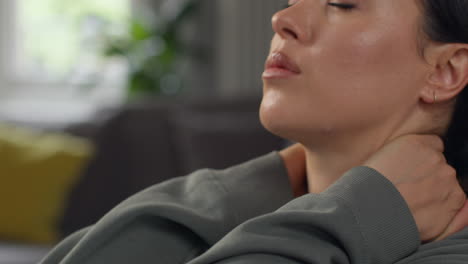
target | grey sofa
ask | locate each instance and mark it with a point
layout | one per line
(11, 253)
(145, 143)
(149, 142)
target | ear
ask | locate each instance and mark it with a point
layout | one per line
(449, 72)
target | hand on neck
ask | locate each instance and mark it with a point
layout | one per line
(328, 159)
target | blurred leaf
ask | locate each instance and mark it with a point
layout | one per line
(116, 48)
(153, 51)
(138, 31)
(142, 83)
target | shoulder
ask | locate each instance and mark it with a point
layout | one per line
(267, 170)
(252, 188)
(247, 190)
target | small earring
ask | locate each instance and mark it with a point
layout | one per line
(435, 98)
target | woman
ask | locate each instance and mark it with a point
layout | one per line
(367, 87)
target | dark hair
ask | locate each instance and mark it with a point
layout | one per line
(446, 21)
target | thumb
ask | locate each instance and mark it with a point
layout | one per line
(294, 160)
(459, 222)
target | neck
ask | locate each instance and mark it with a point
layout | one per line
(325, 166)
(329, 159)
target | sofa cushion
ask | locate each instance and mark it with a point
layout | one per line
(22, 253)
(37, 172)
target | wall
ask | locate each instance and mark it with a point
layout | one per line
(236, 35)
(243, 40)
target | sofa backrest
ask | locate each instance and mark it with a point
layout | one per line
(147, 143)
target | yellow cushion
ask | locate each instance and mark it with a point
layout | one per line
(37, 171)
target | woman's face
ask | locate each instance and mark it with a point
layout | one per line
(359, 67)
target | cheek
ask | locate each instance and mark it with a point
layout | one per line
(370, 69)
(351, 81)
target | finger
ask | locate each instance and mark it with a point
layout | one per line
(298, 149)
(438, 143)
(458, 198)
(295, 152)
(435, 142)
(458, 223)
(294, 161)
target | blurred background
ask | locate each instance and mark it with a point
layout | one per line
(101, 99)
(79, 56)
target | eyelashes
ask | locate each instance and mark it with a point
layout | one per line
(346, 7)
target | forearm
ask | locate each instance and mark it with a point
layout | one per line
(360, 219)
(178, 220)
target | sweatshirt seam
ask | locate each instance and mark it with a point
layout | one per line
(225, 190)
(356, 219)
(188, 257)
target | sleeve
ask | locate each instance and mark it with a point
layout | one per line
(361, 219)
(453, 250)
(178, 220)
(66, 246)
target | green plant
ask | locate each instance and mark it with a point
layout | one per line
(154, 50)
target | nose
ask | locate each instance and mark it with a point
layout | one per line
(293, 23)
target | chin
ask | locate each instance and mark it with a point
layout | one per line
(292, 122)
(277, 120)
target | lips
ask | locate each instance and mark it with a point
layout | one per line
(279, 61)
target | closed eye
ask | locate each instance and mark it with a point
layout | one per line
(342, 6)
(337, 5)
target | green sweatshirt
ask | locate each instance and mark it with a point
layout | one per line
(247, 214)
